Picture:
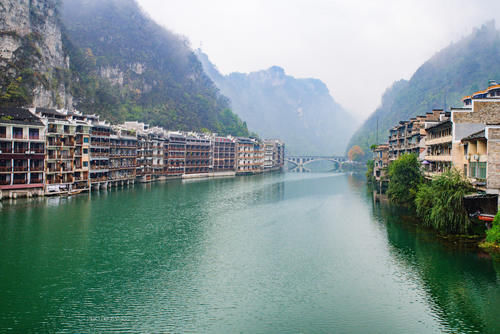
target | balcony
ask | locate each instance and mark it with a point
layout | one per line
(19, 181)
(20, 168)
(439, 140)
(21, 150)
(4, 182)
(5, 169)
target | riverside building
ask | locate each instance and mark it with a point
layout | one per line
(58, 152)
(198, 154)
(22, 153)
(176, 155)
(224, 154)
(250, 158)
(100, 147)
(60, 155)
(122, 156)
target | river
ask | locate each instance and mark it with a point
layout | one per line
(280, 253)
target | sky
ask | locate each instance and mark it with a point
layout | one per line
(357, 47)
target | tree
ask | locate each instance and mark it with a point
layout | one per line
(370, 165)
(355, 153)
(405, 176)
(440, 203)
(493, 234)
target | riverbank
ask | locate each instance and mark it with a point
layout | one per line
(4, 195)
(477, 240)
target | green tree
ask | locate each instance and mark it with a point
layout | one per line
(405, 176)
(493, 234)
(370, 165)
(440, 203)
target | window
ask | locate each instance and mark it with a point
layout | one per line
(465, 170)
(86, 139)
(472, 169)
(17, 133)
(482, 170)
(34, 134)
(85, 151)
(85, 164)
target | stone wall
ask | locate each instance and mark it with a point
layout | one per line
(486, 112)
(493, 169)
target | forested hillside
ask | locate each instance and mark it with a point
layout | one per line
(128, 67)
(458, 70)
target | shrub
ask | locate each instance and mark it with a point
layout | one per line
(405, 177)
(370, 164)
(440, 204)
(493, 234)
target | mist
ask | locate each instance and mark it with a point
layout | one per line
(358, 48)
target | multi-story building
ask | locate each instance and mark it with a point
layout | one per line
(380, 161)
(224, 154)
(176, 154)
(408, 137)
(198, 154)
(22, 153)
(250, 156)
(439, 144)
(60, 154)
(273, 155)
(100, 146)
(122, 156)
(81, 162)
(157, 138)
(50, 152)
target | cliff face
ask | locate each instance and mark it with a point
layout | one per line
(34, 68)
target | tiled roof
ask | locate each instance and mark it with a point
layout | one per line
(18, 116)
(478, 135)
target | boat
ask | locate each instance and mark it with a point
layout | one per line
(74, 192)
(486, 217)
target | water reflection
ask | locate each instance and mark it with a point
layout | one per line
(462, 282)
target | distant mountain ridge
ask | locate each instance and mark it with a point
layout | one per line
(456, 71)
(274, 104)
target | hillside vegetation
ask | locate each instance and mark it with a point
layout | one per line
(456, 71)
(128, 67)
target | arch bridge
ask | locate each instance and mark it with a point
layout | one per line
(299, 163)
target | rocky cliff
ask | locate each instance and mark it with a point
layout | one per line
(34, 67)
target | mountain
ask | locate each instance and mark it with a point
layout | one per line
(106, 57)
(33, 67)
(456, 71)
(300, 111)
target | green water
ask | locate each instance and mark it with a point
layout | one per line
(282, 253)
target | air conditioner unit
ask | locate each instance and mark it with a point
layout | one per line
(476, 157)
(468, 157)
(32, 152)
(27, 152)
(0, 151)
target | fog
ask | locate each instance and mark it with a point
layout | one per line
(358, 48)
